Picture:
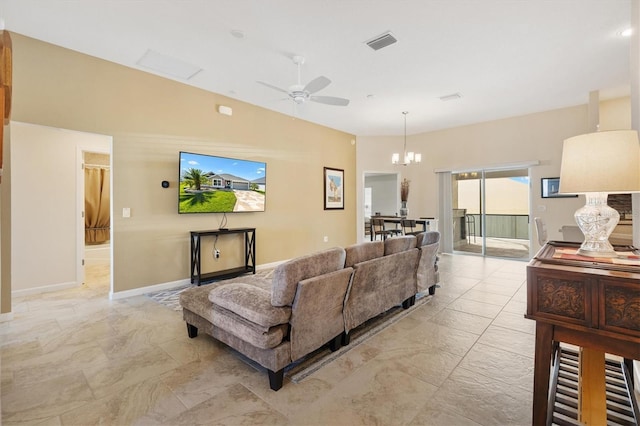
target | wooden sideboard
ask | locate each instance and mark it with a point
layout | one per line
(591, 303)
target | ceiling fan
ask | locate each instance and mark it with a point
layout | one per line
(301, 94)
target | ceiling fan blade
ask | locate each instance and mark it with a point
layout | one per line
(273, 87)
(317, 84)
(330, 100)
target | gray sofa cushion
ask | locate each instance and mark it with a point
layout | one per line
(362, 252)
(259, 336)
(251, 303)
(428, 243)
(287, 275)
(317, 311)
(379, 284)
(399, 244)
(253, 280)
(425, 238)
(195, 299)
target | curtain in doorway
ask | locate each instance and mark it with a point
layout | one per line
(97, 218)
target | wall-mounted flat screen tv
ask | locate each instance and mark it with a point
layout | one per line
(211, 184)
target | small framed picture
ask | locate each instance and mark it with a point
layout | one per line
(550, 188)
(333, 188)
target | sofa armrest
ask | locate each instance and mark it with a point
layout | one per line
(428, 266)
(251, 303)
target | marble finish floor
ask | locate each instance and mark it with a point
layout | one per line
(74, 357)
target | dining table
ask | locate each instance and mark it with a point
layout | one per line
(397, 221)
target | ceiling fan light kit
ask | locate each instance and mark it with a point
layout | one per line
(300, 93)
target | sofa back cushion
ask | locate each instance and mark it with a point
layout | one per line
(399, 244)
(317, 312)
(426, 238)
(380, 284)
(286, 276)
(363, 251)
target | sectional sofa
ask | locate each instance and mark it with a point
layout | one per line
(312, 300)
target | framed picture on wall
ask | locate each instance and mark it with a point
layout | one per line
(550, 188)
(333, 188)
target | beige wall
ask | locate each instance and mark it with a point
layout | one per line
(151, 119)
(615, 114)
(534, 137)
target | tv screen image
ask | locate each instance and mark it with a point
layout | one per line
(212, 184)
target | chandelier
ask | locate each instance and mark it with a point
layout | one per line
(408, 157)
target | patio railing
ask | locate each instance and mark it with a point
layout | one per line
(514, 226)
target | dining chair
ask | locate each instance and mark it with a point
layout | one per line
(378, 228)
(541, 230)
(409, 227)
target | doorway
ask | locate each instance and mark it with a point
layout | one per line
(58, 241)
(95, 249)
(380, 196)
(490, 210)
(97, 213)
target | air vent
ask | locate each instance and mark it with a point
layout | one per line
(167, 65)
(381, 41)
(450, 97)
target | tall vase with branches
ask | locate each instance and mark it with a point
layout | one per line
(404, 196)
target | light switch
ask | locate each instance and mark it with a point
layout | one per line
(126, 212)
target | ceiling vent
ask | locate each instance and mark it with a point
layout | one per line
(381, 41)
(167, 65)
(451, 97)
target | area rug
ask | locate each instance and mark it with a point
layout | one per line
(171, 298)
(311, 363)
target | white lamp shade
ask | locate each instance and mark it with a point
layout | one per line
(395, 158)
(601, 162)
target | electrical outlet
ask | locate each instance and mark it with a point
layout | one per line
(216, 254)
(326, 239)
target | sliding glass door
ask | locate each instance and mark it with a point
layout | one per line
(490, 210)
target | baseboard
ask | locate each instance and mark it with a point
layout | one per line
(148, 289)
(44, 289)
(170, 285)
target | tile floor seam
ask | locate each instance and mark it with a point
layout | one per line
(506, 384)
(177, 396)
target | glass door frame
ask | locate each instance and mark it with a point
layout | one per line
(481, 174)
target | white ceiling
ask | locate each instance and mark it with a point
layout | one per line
(505, 57)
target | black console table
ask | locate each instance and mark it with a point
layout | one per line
(197, 277)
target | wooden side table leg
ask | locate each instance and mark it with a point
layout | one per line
(542, 369)
(592, 388)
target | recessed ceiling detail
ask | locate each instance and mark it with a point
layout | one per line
(381, 41)
(167, 65)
